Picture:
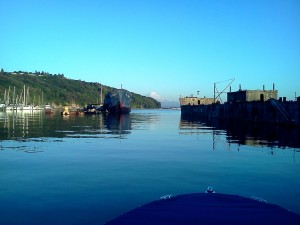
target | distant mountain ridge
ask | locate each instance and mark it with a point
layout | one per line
(57, 90)
(164, 103)
(170, 104)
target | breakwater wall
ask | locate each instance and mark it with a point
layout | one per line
(271, 111)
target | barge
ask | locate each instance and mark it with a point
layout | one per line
(262, 106)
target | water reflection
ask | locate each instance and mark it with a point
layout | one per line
(144, 119)
(36, 125)
(244, 133)
(118, 124)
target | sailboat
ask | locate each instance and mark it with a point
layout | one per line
(3, 104)
(25, 101)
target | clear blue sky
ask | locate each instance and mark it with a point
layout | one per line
(169, 47)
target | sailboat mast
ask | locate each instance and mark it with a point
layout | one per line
(24, 100)
(8, 99)
(27, 97)
(101, 101)
(5, 100)
(14, 97)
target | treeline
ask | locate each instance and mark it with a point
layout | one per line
(57, 90)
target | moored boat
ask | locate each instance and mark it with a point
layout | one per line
(91, 109)
(28, 107)
(2, 106)
(11, 107)
(118, 101)
(48, 109)
(71, 111)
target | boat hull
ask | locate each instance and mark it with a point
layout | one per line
(118, 101)
(204, 208)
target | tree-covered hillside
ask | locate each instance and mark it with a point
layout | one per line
(57, 90)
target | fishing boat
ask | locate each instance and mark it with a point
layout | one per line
(118, 101)
(207, 208)
(91, 109)
(48, 109)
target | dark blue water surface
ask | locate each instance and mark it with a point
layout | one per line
(88, 169)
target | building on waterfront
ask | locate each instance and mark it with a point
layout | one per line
(196, 101)
(252, 95)
(237, 96)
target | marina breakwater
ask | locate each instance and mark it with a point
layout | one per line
(270, 111)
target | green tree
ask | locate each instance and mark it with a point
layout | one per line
(59, 90)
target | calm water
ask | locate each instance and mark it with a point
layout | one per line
(89, 169)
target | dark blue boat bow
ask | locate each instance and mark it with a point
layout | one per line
(207, 208)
